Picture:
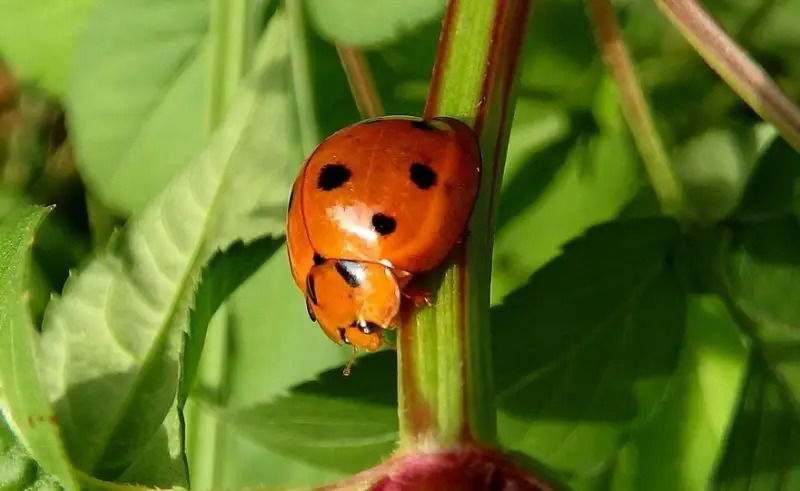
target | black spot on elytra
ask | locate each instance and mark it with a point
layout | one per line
(351, 271)
(332, 176)
(422, 175)
(310, 290)
(311, 312)
(422, 125)
(318, 259)
(343, 335)
(383, 224)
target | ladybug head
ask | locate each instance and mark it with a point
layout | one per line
(354, 302)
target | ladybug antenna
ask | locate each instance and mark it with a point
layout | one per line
(350, 362)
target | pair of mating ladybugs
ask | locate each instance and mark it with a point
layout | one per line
(375, 204)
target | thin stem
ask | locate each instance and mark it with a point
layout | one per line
(233, 37)
(207, 436)
(231, 47)
(635, 107)
(731, 62)
(301, 76)
(445, 379)
(361, 82)
(101, 221)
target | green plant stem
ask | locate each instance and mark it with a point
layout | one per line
(635, 107)
(232, 42)
(233, 37)
(101, 221)
(207, 433)
(445, 378)
(301, 76)
(730, 61)
(361, 82)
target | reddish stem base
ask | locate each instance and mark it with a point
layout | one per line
(469, 467)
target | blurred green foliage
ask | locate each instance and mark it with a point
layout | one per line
(629, 354)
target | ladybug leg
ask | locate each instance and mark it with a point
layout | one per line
(418, 296)
(350, 362)
(410, 291)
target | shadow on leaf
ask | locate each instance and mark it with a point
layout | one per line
(763, 444)
(586, 349)
(342, 423)
(129, 447)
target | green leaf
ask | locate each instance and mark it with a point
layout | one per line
(223, 275)
(136, 96)
(247, 465)
(277, 351)
(763, 447)
(162, 462)
(762, 274)
(37, 281)
(559, 67)
(616, 274)
(27, 406)
(337, 422)
(772, 191)
(679, 447)
(59, 246)
(112, 344)
(272, 345)
(89, 483)
(17, 468)
(714, 169)
(562, 176)
(371, 23)
(585, 351)
(38, 38)
(538, 150)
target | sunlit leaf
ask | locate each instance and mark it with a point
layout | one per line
(112, 344)
(371, 23)
(38, 39)
(27, 405)
(762, 271)
(679, 447)
(136, 96)
(563, 175)
(763, 447)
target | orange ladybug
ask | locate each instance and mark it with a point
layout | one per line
(375, 204)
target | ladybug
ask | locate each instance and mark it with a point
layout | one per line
(375, 204)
